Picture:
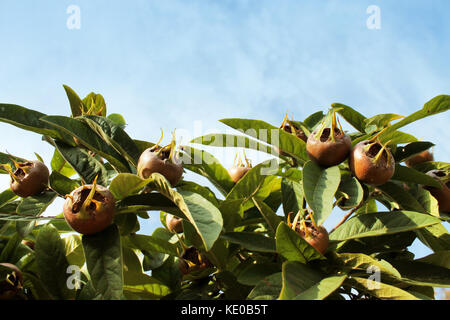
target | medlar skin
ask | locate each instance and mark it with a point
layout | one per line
(98, 215)
(419, 158)
(441, 195)
(32, 182)
(174, 223)
(236, 173)
(9, 290)
(149, 162)
(326, 152)
(364, 167)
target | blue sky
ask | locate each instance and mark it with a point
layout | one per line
(166, 64)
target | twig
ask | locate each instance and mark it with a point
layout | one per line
(345, 218)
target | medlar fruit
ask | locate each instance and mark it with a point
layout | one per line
(441, 195)
(174, 223)
(421, 157)
(328, 146)
(29, 179)
(12, 284)
(372, 163)
(89, 209)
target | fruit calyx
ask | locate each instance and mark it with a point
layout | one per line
(239, 168)
(290, 127)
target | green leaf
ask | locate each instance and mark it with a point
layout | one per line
(88, 138)
(322, 289)
(61, 184)
(146, 287)
(115, 136)
(380, 121)
(205, 192)
(406, 174)
(126, 184)
(117, 119)
(411, 149)
(74, 250)
(268, 288)
(33, 206)
(251, 241)
(297, 278)
(353, 261)
(379, 289)
(7, 196)
(380, 223)
(202, 214)
(402, 197)
(254, 273)
(85, 165)
(269, 134)
(440, 259)
(320, 185)
(272, 219)
(27, 119)
(205, 164)
(436, 237)
(76, 105)
(422, 273)
(258, 182)
(148, 202)
(104, 262)
(313, 120)
(352, 116)
(350, 192)
(51, 262)
(153, 244)
(292, 195)
(293, 247)
(94, 103)
(436, 105)
(60, 165)
(235, 141)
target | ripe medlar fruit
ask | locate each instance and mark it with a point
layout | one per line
(12, 284)
(421, 157)
(174, 223)
(328, 146)
(89, 209)
(192, 261)
(441, 195)
(29, 179)
(163, 160)
(372, 163)
(316, 236)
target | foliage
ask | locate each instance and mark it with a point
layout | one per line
(251, 252)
